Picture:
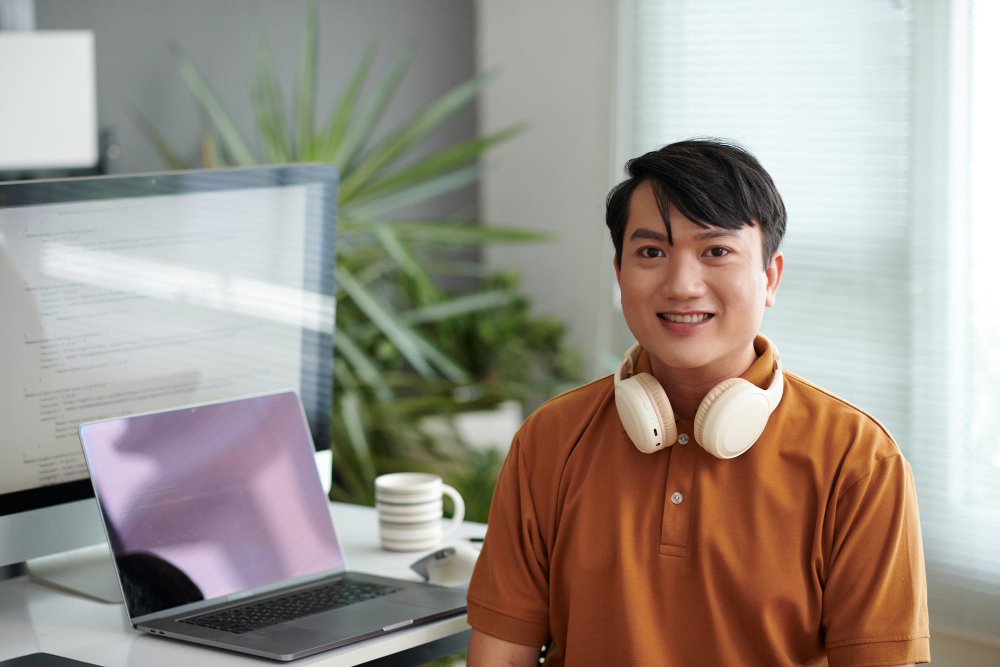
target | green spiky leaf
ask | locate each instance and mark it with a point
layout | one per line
(415, 131)
(209, 101)
(445, 160)
(414, 194)
(326, 144)
(306, 81)
(382, 316)
(359, 132)
(155, 138)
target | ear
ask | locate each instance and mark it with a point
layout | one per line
(618, 271)
(773, 274)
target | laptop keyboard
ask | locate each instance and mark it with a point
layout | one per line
(274, 611)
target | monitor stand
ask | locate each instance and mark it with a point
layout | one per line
(88, 572)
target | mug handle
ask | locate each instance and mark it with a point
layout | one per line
(459, 515)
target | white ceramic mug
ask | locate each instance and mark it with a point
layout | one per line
(410, 507)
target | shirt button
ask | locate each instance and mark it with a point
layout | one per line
(676, 498)
(683, 438)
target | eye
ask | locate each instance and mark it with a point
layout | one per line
(719, 247)
(650, 248)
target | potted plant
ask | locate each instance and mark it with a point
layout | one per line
(411, 356)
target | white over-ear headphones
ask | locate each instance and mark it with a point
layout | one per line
(729, 420)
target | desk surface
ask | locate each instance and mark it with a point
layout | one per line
(36, 618)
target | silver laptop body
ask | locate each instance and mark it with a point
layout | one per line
(221, 535)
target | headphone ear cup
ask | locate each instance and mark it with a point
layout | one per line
(645, 413)
(730, 418)
(706, 404)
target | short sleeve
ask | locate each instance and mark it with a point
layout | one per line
(875, 595)
(509, 591)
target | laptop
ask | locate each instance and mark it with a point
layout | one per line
(221, 533)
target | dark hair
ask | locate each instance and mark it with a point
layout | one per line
(711, 181)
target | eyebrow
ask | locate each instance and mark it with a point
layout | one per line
(643, 233)
(715, 234)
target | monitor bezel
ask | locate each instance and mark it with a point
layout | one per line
(315, 388)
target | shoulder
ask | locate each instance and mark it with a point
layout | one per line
(543, 445)
(574, 408)
(851, 440)
(551, 431)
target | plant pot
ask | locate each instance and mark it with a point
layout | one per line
(482, 429)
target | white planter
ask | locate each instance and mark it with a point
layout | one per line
(482, 429)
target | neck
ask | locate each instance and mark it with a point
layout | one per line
(686, 387)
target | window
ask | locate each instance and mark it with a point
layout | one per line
(877, 121)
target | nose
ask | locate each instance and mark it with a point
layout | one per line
(682, 278)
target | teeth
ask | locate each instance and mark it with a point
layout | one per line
(684, 318)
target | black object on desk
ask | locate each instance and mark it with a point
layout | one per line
(44, 660)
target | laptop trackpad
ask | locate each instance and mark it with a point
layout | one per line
(363, 618)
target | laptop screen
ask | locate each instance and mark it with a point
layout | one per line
(212, 500)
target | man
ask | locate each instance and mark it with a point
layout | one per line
(804, 549)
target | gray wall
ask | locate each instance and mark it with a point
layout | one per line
(558, 63)
(134, 64)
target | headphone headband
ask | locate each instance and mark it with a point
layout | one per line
(627, 366)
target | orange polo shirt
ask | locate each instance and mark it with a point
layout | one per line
(805, 550)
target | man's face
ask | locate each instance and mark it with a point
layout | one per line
(714, 271)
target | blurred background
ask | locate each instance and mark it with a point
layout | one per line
(877, 120)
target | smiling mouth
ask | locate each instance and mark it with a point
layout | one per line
(686, 318)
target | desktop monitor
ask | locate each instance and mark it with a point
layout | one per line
(123, 295)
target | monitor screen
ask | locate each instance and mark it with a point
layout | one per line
(126, 295)
(210, 500)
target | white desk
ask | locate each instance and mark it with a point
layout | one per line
(36, 618)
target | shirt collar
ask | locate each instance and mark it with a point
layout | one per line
(759, 372)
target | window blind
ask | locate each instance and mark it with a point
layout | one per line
(956, 360)
(881, 302)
